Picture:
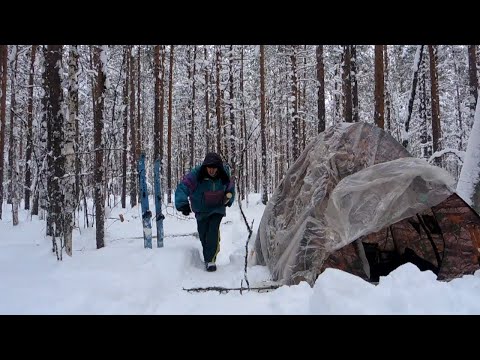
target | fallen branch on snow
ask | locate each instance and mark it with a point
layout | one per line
(221, 289)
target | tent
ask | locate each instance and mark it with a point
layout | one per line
(356, 200)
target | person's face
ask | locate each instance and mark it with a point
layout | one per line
(212, 171)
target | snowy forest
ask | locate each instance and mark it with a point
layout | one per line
(74, 119)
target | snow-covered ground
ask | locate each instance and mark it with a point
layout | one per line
(125, 278)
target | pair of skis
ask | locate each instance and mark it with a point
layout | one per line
(146, 213)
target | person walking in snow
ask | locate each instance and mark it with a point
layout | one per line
(210, 188)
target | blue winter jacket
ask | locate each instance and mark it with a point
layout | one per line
(207, 195)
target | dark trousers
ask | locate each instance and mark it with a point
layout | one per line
(209, 233)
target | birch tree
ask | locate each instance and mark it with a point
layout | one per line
(68, 150)
(14, 140)
(126, 82)
(294, 104)
(40, 196)
(28, 151)
(468, 186)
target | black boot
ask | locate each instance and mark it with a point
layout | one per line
(210, 266)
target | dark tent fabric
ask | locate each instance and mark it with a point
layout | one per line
(444, 239)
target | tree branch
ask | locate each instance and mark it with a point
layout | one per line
(221, 289)
(459, 154)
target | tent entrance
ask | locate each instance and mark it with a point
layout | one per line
(382, 262)
(387, 255)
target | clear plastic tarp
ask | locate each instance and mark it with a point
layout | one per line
(300, 227)
(384, 194)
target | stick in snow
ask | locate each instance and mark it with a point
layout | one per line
(221, 289)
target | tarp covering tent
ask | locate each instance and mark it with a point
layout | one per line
(346, 203)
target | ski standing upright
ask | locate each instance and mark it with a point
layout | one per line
(158, 203)
(146, 213)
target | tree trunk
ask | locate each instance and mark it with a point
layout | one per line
(416, 64)
(422, 109)
(42, 158)
(263, 127)
(162, 110)
(294, 104)
(156, 109)
(379, 88)
(207, 105)
(336, 93)
(244, 188)
(55, 122)
(218, 99)
(138, 145)
(14, 139)
(28, 151)
(303, 102)
(347, 85)
(461, 130)
(49, 82)
(133, 134)
(192, 109)
(232, 152)
(11, 149)
(68, 150)
(436, 129)
(472, 79)
(387, 92)
(169, 140)
(125, 126)
(355, 109)
(98, 57)
(320, 89)
(3, 107)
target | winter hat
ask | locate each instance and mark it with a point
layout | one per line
(213, 160)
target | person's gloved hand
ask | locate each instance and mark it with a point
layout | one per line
(185, 210)
(228, 199)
